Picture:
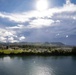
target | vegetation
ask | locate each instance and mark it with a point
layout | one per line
(74, 50)
(36, 50)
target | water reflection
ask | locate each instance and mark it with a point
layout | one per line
(39, 68)
(25, 65)
(37, 65)
(7, 59)
(42, 71)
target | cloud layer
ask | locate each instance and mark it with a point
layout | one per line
(49, 25)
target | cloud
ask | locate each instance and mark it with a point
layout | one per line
(15, 17)
(5, 32)
(10, 36)
(39, 23)
(22, 38)
(16, 27)
(25, 16)
(2, 39)
(12, 39)
(41, 19)
(54, 23)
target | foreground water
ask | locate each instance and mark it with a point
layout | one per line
(38, 65)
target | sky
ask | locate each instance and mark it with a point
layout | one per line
(38, 21)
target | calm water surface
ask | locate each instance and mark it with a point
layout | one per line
(38, 65)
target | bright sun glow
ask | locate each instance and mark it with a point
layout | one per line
(42, 5)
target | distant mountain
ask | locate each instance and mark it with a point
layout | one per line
(57, 43)
(35, 43)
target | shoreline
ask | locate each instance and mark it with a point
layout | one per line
(46, 53)
(39, 51)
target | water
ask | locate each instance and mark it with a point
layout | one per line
(38, 65)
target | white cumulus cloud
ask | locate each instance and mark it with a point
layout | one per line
(22, 38)
(39, 23)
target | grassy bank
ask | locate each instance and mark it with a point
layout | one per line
(39, 52)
